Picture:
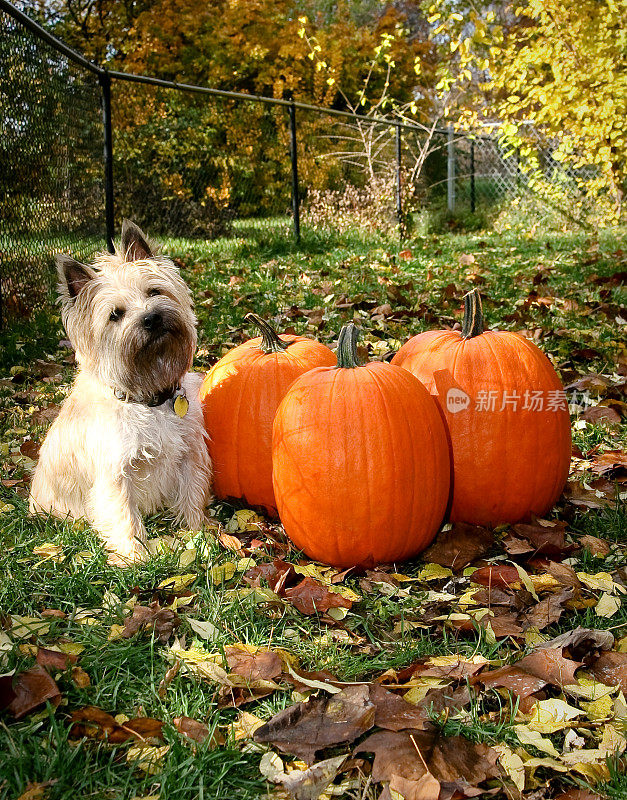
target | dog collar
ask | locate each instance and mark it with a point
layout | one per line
(180, 403)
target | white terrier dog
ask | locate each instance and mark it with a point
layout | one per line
(130, 438)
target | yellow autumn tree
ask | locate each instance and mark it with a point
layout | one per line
(559, 64)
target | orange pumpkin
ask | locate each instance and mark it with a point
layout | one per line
(240, 396)
(506, 413)
(360, 462)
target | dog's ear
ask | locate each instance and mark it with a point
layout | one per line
(73, 276)
(134, 243)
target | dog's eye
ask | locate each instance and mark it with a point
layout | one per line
(116, 314)
(153, 292)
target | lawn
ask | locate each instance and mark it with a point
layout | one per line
(231, 652)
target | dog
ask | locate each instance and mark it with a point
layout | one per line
(129, 438)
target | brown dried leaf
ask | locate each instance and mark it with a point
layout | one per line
(601, 415)
(518, 681)
(94, 723)
(260, 665)
(395, 714)
(311, 597)
(28, 691)
(198, 731)
(612, 461)
(598, 547)
(581, 644)
(305, 728)
(460, 546)
(162, 620)
(611, 669)
(551, 666)
(413, 754)
(54, 659)
(278, 574)
(547, 611)
(80, 678)
(501, 576)
(547, 540)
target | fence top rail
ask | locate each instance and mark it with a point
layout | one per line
(48, 37)
(101, 71)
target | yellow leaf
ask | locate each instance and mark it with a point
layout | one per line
(434, 572)
(146, 758)
(552, 715)
(600, 709)
(22, 627)
(612, 741)
(177, 582)
(48, 550)
(601, 581)
(116, 633)
(245, 725)
(512, 764)
(222, 572)
(607, 606)
(535, 739)
(526, 581)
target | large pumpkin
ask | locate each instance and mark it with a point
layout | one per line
(506, 413)
(360, 462)
(240, 396)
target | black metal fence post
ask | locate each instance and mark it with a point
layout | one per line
(399, 196)
(473, 195)
(294, 157)
(105, 83)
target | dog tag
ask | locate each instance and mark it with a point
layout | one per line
(181, 406)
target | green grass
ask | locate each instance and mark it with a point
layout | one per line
(273, 277)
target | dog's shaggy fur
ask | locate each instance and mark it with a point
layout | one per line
(116, 451)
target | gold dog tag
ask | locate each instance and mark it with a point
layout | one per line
(181, 406)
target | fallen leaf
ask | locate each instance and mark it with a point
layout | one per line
(607, 606)
(54, 659)
(94, 723)
(581, 644)
(611, 669)
(305, 728)
(459, 546)
(147, 758)
(393, 713)
(549, 716)
(413, 754)
(310, 597)
(598, 547)
(512, 764)
(163, 621)
(306, 784)
(198, 731)
(255, 665)
(28, 691)
(80, 678)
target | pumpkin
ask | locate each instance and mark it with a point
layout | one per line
(506, 413)
(360, 462)
(239, 398)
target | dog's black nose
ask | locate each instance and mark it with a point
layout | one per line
(152, 321)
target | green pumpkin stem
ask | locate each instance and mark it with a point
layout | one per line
(270, 341)
(472, 324)
(347, 347)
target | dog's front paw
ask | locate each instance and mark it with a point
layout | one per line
(135, 554)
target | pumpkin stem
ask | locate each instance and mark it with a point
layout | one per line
(472, 324)
(270, 341)
(347, 347)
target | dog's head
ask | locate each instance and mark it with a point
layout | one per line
(129, 317)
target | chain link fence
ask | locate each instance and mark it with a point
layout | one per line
(189, 161)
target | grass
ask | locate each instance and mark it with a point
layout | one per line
(572, 316)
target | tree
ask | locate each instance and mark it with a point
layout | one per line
(560, 64)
